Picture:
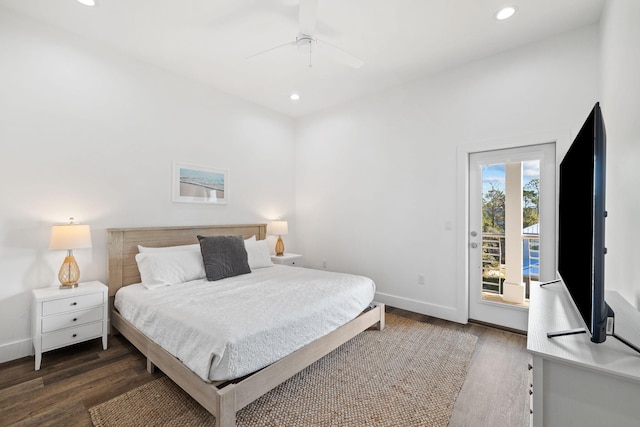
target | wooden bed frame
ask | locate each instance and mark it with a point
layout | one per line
(222, 398)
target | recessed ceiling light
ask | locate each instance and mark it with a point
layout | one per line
(87, 2)
(505, 13)
(294, 96)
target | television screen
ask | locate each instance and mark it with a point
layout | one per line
(581, 225)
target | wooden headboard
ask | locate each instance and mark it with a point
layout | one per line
(123, 245)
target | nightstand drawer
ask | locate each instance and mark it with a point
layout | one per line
(64, 305)
(77, 318)
(71, 336)
(292, 260)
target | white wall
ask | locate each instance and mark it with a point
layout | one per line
(621, 112)
(376, 180)
(89, 133)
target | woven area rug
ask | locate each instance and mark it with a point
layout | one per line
(407, 375)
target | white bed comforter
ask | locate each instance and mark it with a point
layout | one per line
(232, 327)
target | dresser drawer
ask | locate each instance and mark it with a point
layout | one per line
(64, 305)
(67, 320)
(71, 335)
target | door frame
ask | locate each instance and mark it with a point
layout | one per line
(560, 138)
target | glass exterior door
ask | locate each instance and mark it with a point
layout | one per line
(512, 201)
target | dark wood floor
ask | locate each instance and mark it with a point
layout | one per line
(73, 379)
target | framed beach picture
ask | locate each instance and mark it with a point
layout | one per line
(199, 184)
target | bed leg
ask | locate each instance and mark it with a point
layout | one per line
(151, 368)
(226, 407)
(227, 421)
(381, 324)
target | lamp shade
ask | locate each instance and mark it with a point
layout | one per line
(279, 228)
(70, 236)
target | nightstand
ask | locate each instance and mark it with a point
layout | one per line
(62, 317)
(293, 260)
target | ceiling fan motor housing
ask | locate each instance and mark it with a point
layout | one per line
(304, 43)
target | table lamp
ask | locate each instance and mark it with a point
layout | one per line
(279, 228)
(69, 237)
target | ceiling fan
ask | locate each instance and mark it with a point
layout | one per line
(306, 42)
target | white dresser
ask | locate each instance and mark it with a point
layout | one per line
(578, 383)
(67, 316)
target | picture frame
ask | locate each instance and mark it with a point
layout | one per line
(199, 184)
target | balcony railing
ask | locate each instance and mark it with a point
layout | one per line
(493, 261)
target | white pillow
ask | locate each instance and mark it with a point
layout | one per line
(258, 254)
(165, 268)
(145, 249)
(251, 239)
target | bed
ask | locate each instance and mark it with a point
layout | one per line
(222, 397)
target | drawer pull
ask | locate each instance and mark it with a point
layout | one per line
(74, 303)
(75, 319)
(75, 335)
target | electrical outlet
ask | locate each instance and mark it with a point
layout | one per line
(420, 279)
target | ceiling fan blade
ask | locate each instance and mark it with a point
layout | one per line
(340, 55)
(271, 49)
(308, 16)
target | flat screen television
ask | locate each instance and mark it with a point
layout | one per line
(581, 225)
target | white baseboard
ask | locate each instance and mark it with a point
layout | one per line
(23, 348)
(15, 350)
(439, 311)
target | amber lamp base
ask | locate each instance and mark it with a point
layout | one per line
(279, 247)
(69, 273)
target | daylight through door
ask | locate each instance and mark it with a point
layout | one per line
(512, 203)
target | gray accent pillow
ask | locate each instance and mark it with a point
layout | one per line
(223, 256)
